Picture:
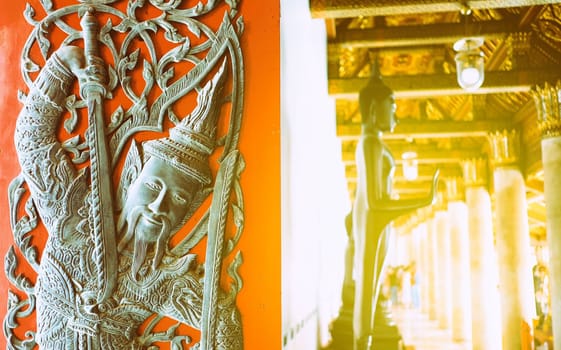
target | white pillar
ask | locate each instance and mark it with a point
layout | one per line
(444, 271)
(549, 121)
(424, 263)
(460, 258)
(485, 303)
(433, 262)
(513, 242)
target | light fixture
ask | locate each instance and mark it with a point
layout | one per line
(410, 165)
(469, 63)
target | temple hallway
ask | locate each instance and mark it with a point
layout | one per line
(420, 333)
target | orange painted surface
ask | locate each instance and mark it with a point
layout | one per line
(259, 299)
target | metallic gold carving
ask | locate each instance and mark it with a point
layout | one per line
(353, 8)
(352, 61)
(548, 103)
(475, 172)
(454, 189)
(411, 61)
(415, 19)
(549, 23)
(108, 265)
(505, 147)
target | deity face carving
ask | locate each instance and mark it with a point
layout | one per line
(157, 203)
(164, 192)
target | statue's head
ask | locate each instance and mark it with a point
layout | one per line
(161, 198)
(377, 105)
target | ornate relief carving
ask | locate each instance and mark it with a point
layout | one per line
(505, 148)
(547, 29)
(475, 173)
(109, 266)
(549, 24)
(547, 99)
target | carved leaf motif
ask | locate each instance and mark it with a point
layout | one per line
(17, 309)
(13, 299)
(163, 79)
(172, 116)
(171, 33)
(44, 43)
(133, 5)
(104, 32)
(70, 123)
(199, 8)
(182, 53)
(29, 14)
(166, 6)
(126, 23)
(47, 5)
(128, 63)
(21, 96)
(148, 75)
(149, 337)
(140, 110)
(116, 118)
(10, 265)
(10, 262)
(240, 25)
(237, 282)
(74, 146)
(191, 24)
(113, 77)
(93, 2)
(232, 3)
(21, 227)
(30, 66)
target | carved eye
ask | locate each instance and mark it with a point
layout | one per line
(153, 185)
(180, 199)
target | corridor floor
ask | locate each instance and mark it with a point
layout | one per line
(420, 333)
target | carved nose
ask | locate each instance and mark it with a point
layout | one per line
(158, 205)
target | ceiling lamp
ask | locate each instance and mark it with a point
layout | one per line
(469, 63)
(410, 165)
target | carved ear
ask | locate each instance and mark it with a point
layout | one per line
(131, 169)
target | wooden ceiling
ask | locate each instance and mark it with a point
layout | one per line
(412, 42)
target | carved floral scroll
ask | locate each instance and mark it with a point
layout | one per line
(128, 146)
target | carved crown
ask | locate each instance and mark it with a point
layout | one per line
(192, 141)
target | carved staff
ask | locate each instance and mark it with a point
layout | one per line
(215, 247)
(101, 210)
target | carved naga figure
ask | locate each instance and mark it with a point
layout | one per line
(373, 210)
(108, 267)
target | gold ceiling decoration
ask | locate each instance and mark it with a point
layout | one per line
(414, 19)
(412, 42)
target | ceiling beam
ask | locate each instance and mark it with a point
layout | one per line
(415, 86)
(439, 159)
(430, 129)
(355, 8)
(420, 35)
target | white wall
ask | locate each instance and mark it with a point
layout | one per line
(314, 195)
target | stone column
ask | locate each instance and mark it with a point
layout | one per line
(460, 258)
(486, 316)
(549, 121)
(513, 242)
(423, 265)
(416, 264)
(444, 271)
(432, 270)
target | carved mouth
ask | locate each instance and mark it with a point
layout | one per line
(152, 219)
